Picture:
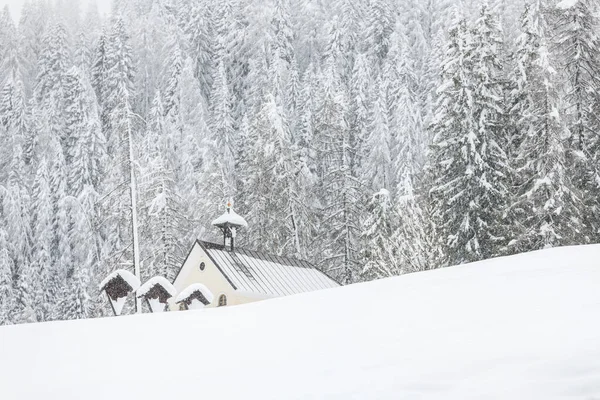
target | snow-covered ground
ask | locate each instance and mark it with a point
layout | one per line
(522, 327)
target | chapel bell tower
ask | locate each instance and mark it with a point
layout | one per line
(229, 222)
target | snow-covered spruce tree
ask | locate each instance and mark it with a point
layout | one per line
(53, 63)
(188, 119)
(276, 205)
(82, 53)
(417, 247)
(548, 205)
(333, 52)
(379, 27)
(7, 295)
(163, 213)
(283, 35)
(10, 55)
(340, 189)
(99, 69)
(304, 127)
(353, 17)
(222, 125)
(16, 209)
(7, 29)
(26, 287)
(360, 106)
(14, 120)
(408, 136)
(574, 32)
(379, 253)
(172, 70)
(116, 71)
(119, 122)
(229, 48)
(149, 36)
(377, 164)
(42, 285)
(76, 302)
(60, 252)
(33, 25)
(86, 155)
(468, 167)
(196, 23)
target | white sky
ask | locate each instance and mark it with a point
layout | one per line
(15, 6)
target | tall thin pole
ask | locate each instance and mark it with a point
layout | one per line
(134, 222)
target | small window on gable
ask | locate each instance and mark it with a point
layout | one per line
(222, 300)
(202, 266)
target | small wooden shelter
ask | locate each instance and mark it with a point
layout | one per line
(117, 286)
(194, 296)
(157, 291)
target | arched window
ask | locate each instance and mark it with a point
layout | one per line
(222, 300)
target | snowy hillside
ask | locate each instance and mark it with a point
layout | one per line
(522, 327)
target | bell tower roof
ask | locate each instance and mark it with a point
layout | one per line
(230, 218)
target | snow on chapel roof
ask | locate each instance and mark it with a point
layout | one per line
(266, 274)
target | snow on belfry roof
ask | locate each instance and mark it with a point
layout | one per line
(230, 217)
(265, 274)
(157, 280)
(195, 287)
(563, 5)
(127, 276)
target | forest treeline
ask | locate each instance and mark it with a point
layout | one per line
(373, 138)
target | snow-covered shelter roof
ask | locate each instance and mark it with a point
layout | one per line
(152, 282)
(266, 274)
(193, 288)
(127, 276)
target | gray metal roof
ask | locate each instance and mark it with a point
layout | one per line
(267, 274)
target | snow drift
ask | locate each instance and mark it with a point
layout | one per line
(521, 327)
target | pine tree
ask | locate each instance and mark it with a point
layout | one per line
(340, 190)
(162, 204)
(377, 162)
(11, 60)
(468, 165)
(380, 25)
(360, 83)
(197, 26)
(118, 80)
(86, 152)
(173, 69)
(275, 207)
(413, 236)
(53, 64)
(33, 27)
(41, 285)
(548, 205)
(379, 251)
(99, 68)
(194, 150)
(16, 211)
(574, 32)
(7, 297)
(222, 125)
(283, 35)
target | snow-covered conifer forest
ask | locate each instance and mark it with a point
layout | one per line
(373, 138)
